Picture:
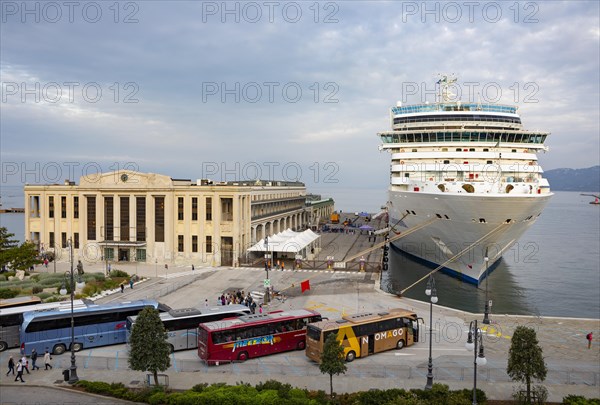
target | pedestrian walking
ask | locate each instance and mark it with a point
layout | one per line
(260, 309)
(19, 371)
(25, 363)
(193, 267)
(108, 270)
(34, 356)
(122, 287)
(47, 359)
(11, 366)
(206, 302)
(589, 338)
(131, 283)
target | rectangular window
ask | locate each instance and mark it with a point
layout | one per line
(194, 243)
(76, 240)
(91, 218)
(63, 207)
(208, 208)
(75, 207)
(194, 208)
(209, 244)
(226, 209)
(109, 253)
(124, 223)
(51, 207)
(109, 221)
(63, 240)
(180, 208)
(52, 239)
(140, 219)
(180, 243)
(159, 219)
(140, 255)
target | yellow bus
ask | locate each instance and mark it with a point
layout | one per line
(365, 334)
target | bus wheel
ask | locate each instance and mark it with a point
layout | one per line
(243, 356)
(400, 344)
(350, 356)
(3, 346)
(301, 345)
(171, 348)
(59, 349)
(77, 347)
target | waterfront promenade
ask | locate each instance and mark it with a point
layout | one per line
(572, 368)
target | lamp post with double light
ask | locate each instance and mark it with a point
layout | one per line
(431, 292)
(70, 276)
(475, 343)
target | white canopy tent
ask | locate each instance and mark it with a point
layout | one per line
(288, 241)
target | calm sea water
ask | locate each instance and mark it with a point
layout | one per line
(554, 270)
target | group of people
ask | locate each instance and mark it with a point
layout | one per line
(238, 297)
(23, 364)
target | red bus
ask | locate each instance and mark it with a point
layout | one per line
(254, 335)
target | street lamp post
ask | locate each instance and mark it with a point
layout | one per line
(475, 339)
(266, 300)
(430, 291)
(486, 319)
(71, 276)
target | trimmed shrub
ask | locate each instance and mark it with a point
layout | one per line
(44, 295)
(118, 273)
(36, 289)
(8, 293)
(579, 400)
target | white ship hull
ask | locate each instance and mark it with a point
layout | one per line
(472, 222)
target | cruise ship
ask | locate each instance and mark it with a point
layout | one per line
(465, 183)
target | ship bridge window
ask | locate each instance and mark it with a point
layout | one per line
(489, 162)
(446, 162)
(472, 150)
(486, 150)
(513, 150)
(414, 150)
(444, 149)
(458, 149)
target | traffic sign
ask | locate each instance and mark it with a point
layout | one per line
(267, 282)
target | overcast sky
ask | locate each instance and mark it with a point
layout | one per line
(286, 90)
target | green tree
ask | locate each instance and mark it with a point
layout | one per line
(7, 246)
(525, 359)
(332, 359)
(19, 257)
(148, 347)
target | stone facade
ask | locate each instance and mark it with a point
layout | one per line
(152, 218)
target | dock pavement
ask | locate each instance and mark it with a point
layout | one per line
(572, 367)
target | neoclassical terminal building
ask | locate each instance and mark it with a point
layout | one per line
(145, 217)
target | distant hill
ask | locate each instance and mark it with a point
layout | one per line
(574, 179)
